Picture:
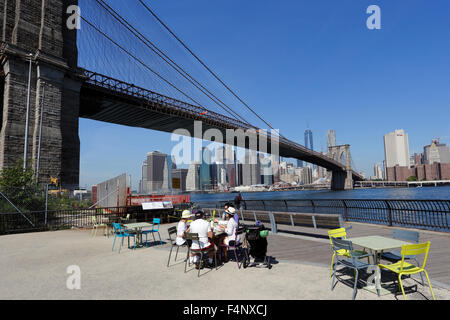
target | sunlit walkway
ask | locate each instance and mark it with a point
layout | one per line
(34, 266)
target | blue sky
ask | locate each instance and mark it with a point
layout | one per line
(299, 62)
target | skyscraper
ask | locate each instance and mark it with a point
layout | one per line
(396, 149)
(378, 172)
(436, 152)
(251, 169)
(179, 177)
(221, 166)
(309, 139)
(267, 171)
(193, 177)
(158, 175)
(230, 166)
(205, 169)
(143, 182)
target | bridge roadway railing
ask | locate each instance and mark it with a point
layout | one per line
(119, 86)
(421, 214)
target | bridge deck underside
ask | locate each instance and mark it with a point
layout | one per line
(108, 106)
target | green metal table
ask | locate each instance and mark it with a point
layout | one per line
(137, 226)
(378, 244)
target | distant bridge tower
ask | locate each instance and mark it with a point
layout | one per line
(341, 180)
(37, 30)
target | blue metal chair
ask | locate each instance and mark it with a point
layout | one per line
(395, 255)
(155, 229)
(120, 232)
(352, 262)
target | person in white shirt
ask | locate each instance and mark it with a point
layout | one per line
(230, 230)
(182, 227)
(203, 229)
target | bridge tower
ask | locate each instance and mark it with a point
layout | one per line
(341, 180)
(37, 30)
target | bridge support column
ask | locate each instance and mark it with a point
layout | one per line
(341, 180)
(38, 27)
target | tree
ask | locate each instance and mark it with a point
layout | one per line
(20, 187)
(412, 178)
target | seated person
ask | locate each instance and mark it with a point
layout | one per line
(182, 227)
(203, 229)
(230, 230)
(226, 206)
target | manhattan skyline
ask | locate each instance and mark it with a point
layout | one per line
(362, 83)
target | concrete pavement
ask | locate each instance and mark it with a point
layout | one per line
(35, 266)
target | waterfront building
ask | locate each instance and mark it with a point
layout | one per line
(299, 163)
(215, 171)
(193, 177)
(290, 168)
(275, 164)
(289, 178)
(251, 169)
(418, 158)
(378, 172)
(221, 167)
(169, 166)
(436, 152)
(309, 142)
(229, 165)
(396, 149)
(143, 181)
(321, 172)
(304, 175)
(309, 139)
(266, 171)
(158, 176)
(179, 179)
(205, 169)
(412, 161)
(283, 167)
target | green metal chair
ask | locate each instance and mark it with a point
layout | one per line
(351, 261)
(97, 225)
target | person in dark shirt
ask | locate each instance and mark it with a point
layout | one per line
(237, 201)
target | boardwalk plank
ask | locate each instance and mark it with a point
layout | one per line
(313, 249)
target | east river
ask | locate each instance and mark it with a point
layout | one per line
(412, 193)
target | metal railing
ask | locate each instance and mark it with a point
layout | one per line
(422, 214)
(75, 218)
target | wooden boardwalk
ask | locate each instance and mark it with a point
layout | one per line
(305, 245)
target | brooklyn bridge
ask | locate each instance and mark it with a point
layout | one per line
(107, 66)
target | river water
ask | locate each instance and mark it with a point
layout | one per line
(413, 193)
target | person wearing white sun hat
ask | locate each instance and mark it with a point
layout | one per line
(230, 229)
(182, 227)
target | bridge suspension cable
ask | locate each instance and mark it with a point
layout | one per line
(141, 62)
(149, 44)
(205, 66)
